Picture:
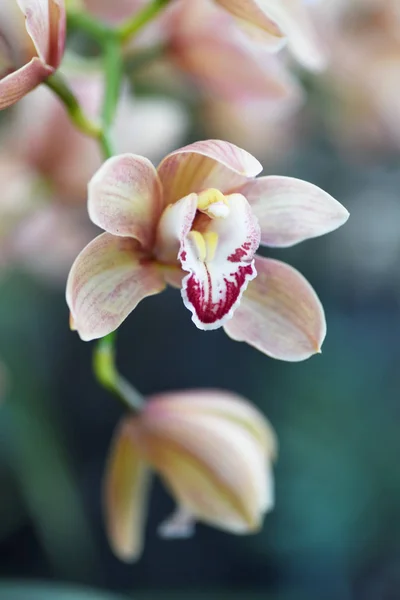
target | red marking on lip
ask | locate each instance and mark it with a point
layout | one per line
(201, 298)
(240, 253)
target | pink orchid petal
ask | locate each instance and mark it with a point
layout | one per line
(15, 85)
(220, 404)
(126, 488)
(280, 313)
(291, 210)
(125, 199)
(174, 225)
(214, 286)
(214, 467)
(45, 23)
(287, 17)
(106, 282)
(208, 45)
(206, 164)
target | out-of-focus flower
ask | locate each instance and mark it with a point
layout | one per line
(44, 182)
(206, 43)
(214, 452)
(114, 11)
(362, 83)
(278, 22)
(266, 129)
(152, 126)
(203, 212)
(30, 51)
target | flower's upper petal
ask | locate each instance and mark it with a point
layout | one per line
(126, 486)
(220, 264)
(206, 164)
(174, 225)
(45, 23)
(222, 405)
(280, 314)
(22, 81)
(106, 282)
(209, 47)
(125, 198)
(277, 17)
(214, 467)
(291, 210)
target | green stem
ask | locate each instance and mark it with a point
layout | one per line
(132, 26)
(57, 84)
(106, 373)
(84, 22)
(113, 68)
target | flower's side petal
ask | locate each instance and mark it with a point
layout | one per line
(174, 225)
(126, 487)
(215, 284)
(106, 282)
(214, 468)
(125, 199)
(45, 24)
(287, 17)
(291, 210)
(58, 25)
(37, 15)
(250, 12)
(14, 86)
(280, 313)
(206, 164)
(220, 404)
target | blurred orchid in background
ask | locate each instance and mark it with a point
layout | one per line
(280, 22)
(32, 38)
(42, 203)
(204, 212)
(214, 452)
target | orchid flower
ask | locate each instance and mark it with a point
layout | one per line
(279, 22)
(213, 450)
(30, 51)
(196, 222)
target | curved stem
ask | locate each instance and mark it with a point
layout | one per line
(131, 27)
(106, 373)
(57, 84)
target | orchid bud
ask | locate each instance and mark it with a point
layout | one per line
(214, 452)
(32, 38)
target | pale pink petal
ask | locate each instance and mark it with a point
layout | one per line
(106, 282)
(221, 404)
(291, 210)
(175, 223)
(15, 85)
(209, 47)
(280, 313)
(206, 164)
(45, 23)
(125, 198)
(126, 487)
(219, 273)
(213, 467)
(287, 17)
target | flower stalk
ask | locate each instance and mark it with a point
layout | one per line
(111, 42)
